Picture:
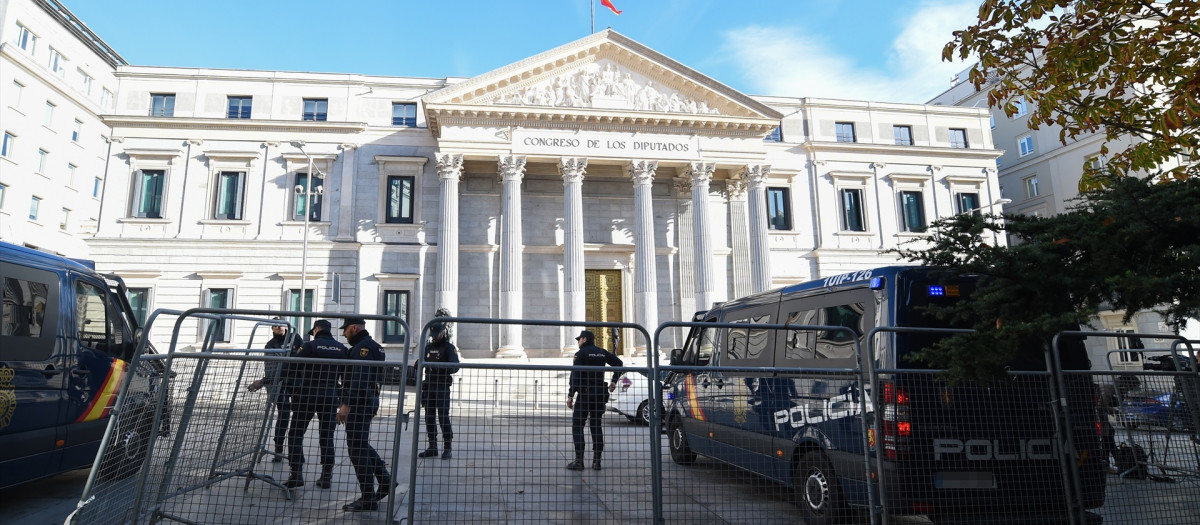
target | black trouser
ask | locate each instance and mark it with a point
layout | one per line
(366, 461)
(303, 410)
(435, 399)
(283, 416)
(589, 408)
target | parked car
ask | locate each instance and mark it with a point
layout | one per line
(1163, 410)
(632, 398)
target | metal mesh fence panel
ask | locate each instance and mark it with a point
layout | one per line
(1153, 454)
(512, 441)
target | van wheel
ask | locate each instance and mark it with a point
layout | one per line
(817, 490)
(126, 450)
(681, 453)
(643, 413)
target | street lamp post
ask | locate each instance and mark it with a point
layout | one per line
(308, 194)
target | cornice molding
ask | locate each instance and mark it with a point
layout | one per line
(213, 124)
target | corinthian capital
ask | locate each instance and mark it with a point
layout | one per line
(572, 168)
(756, 174)
(700, 172)
(735, 188)
(449, 166)
(642, 171)
(511, 167)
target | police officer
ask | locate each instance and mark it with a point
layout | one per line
(359, 404)
(589, 407)
(275, 385)
(314, 393)
(435, 390)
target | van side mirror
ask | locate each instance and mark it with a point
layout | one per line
(676, 357)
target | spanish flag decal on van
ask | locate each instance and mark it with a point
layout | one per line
(693, 402)
(103, 401)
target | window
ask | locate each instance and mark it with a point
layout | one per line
(97, 184)
(845, 131)
(66, 219)
(300, 203)
(747, 344)
(779, 209)
(399, 200)
(1022, 107)
(853, 218)
(992, 121)
(912, 211)
(1031, 187)
(1129, 343)
(217, 298)
(403, 114)
(25, 305)
(18, 88)
(3, 190)
(318, 108)
(162, 105)
(903, 135)
(958, 138)
(97, 323)
(395, 304)
(1025, 144)
(302, 325)
(967, 202)
(775, 136)
(106, 99)
(827, 344)
(48, 118)
(58, 63)
(231, 187)
(139, 303)
(35, 203)
(77, 130)
(43, 158)
(26, 40)
(148, 193)
(85, 82)
(10, 142)
(239, 107)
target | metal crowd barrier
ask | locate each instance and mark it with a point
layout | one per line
(205, 455)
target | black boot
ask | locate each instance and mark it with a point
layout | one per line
(278, 458)
(326, 479)
(578, 463)
(446, 453)
(596, 461)
(430, 452)
(296, 479)
(385, 486)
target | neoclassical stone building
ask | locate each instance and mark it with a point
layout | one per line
(598, 181)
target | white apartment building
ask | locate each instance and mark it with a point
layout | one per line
(56, 79)
(597, 181)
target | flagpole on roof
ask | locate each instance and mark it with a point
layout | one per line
(593, 4)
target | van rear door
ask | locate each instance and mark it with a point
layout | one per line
(31, 374)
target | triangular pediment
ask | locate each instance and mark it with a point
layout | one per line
(603, 78)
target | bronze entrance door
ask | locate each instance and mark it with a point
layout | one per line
(603, 291)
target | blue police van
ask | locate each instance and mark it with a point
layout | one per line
(66, 343)
(980, 450)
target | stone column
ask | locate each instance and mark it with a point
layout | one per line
(701, 174)
(574, 299)
(345, 230)
(755, 176)
(645, 278)
(512, 170)
(686, 258)
(449, 169)
(739, 238)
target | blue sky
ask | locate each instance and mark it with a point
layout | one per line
(852, 49)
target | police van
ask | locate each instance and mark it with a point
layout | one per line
(66, 343)
(980, 450)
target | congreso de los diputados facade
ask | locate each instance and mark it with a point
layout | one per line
(599, 181)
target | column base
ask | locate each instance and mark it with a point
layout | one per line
(511, 352)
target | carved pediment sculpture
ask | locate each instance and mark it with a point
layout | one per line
(605, 86)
